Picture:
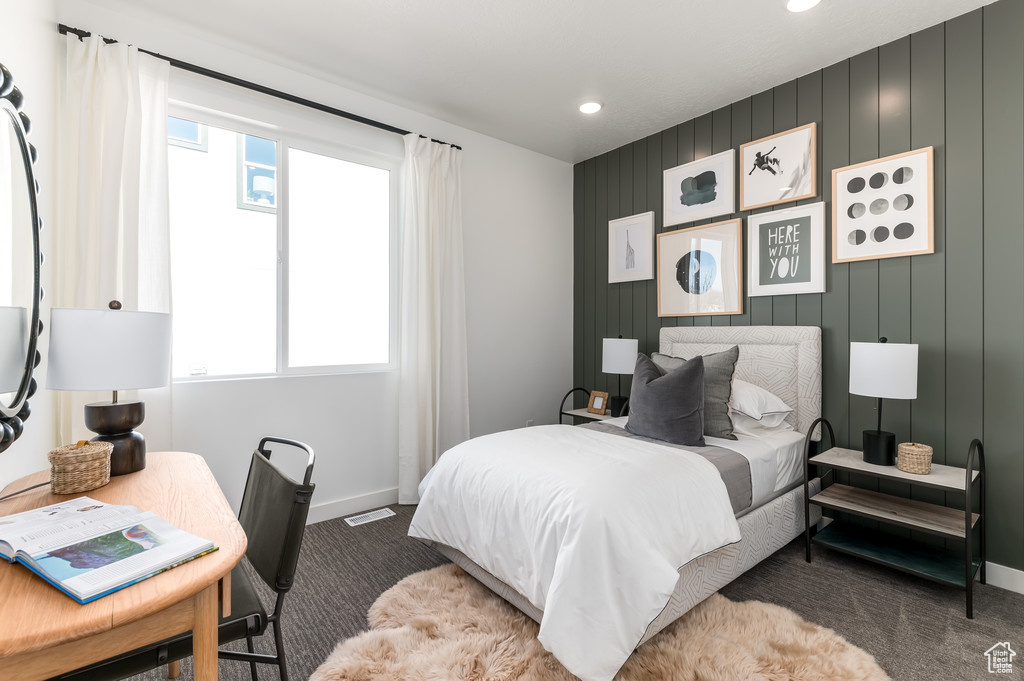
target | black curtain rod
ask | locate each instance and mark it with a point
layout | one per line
(256, 87)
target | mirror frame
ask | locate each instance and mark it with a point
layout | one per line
(13, 415)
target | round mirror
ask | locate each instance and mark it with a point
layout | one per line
(19, 263)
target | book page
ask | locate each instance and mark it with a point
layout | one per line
(62, 523)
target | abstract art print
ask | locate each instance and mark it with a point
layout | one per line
(779, 168)
(700, 270)
(631, 248)
(786, 251)
(883, 208)
(701, 189)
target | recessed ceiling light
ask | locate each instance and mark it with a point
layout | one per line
(801, 5)
(590, 107)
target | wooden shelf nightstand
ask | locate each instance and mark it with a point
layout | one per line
(957, 567)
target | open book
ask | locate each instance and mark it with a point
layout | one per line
(89, 549)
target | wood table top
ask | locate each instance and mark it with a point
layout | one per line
(178, 487)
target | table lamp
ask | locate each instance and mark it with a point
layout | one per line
(882, 370)
(111, 350)
(618, 356)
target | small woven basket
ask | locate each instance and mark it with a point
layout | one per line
(914, 457)
(80, 467)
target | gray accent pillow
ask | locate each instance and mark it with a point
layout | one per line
(667, 406)
(718, 370)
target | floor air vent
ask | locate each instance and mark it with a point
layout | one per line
(369, 517)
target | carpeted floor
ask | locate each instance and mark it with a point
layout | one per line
(915, 629)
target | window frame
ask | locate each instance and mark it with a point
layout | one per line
(340, 148)
(202, 145)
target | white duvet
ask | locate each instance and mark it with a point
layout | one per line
(590, 527)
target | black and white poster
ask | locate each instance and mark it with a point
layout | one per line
(786, 251)
(883, 208)
(780, 168)
(631, 248)
(701, 189)
(700, 270)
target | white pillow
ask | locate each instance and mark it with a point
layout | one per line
(758, 404)
(744, 425)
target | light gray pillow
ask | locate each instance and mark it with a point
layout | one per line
(667, 406)
(718, 370)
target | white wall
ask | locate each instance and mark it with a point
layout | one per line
(28, 43)
(517, 213)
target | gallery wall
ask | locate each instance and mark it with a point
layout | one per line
(957, 87)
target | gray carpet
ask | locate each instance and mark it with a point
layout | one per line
(915, 629)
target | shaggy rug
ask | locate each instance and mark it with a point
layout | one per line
(442, 624)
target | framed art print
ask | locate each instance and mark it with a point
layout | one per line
(631, 248)
(598, 402)
(700, 189)
(779, 168)
(883, 208)
(786, 251)
(700, 270)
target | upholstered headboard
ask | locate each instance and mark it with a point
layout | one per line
(783, 359)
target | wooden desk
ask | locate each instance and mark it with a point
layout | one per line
(44, 633)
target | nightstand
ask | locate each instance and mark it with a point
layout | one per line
(955, 567)
(580, 413)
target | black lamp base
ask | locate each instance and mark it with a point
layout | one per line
(115, 421)
(879, 447)
(616, 404)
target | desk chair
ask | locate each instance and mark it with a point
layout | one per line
(273, 515)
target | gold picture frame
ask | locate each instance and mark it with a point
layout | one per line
(700, 270)
(884, 208)
(598, 402)
(780, 168)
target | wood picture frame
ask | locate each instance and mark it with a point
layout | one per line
(786, 251)
(631, 248)
(700, 270)
(779, 168)
(701, 189)
(883, 208)
(598, 402)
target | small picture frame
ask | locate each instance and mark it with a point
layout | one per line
(598, 402)
(786, 251)
(779, 168)
(700, 189)
(883, 208)
(700, 270)
(631, 248)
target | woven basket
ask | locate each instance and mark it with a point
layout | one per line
(914, 457)
(80, 467)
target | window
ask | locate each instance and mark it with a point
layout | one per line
(257, 186)
(282, 253)
(188, 134)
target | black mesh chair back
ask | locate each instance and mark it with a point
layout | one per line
(273, 515)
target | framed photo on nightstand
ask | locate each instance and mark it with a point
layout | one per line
(598, 402)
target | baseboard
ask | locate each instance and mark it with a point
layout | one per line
(1004, 577)
(343, 507)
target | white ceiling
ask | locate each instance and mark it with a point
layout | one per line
(517, 70)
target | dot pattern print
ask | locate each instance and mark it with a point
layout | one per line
(883, 208)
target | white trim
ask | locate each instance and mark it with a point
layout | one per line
(343, 507)
(1004, 577)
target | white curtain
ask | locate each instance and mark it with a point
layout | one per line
(433, 403)
(112, 239)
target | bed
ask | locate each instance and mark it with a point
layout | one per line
(784, 360)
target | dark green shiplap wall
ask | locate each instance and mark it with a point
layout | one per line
(958, 87)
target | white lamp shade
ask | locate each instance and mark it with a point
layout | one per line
(108, 350)
(262, 183)
(884, 370)
(13, 347)
(618, 355)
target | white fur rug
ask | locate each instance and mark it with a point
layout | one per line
(442, 624)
